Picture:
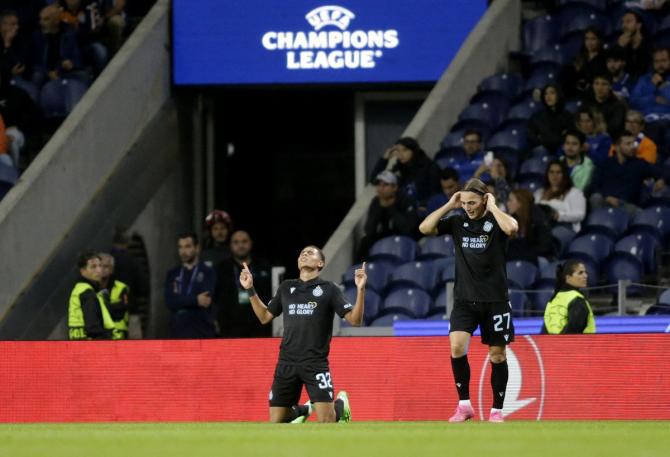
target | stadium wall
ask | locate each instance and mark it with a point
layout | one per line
(484, 52)
(587, 377)
(111, 158)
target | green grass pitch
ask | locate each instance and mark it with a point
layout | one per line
(373, 439)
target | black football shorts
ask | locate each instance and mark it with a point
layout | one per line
(289, 379)
(493, 318)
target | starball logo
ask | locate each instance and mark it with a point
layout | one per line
(331, 45)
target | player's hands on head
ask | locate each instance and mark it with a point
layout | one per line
(246, 278)
(455, 200)
(360, 277)
(490, 201)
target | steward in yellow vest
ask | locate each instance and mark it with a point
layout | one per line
(568, 311)
(116, 296)
(88, 316)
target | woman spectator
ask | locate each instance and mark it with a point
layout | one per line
(418, 176)
(546, 127)
(534, 236)
(589, 62)
(592, 124)
(568, 311)
(565, 203)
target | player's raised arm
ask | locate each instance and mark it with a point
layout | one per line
(355, 316)
(429, 224)
(247, 282)
(507, 223)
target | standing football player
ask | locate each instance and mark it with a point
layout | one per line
(480, 289)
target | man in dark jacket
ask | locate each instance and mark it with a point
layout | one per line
(391, 212)
(236, 316)
(602, 98)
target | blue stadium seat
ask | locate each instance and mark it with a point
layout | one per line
(553, 53)
(512, 124)
(657, 217)
(453, 140)
(541, 152)
(644, 247)
(440, 304)
(563, 237)
(530, 182)
(548, 271)
(511, 139)
(387, 320)
(622, 265)
(59, 97)
(482, 126)
(595, 245)
(543, 291)
(432, 247)
(534, 165)
(573, 105)
(521, 272)
(539, 31)
(448, 273)
(600, 5)
(665, 297)
(610, 221)
(373, 302)
(518, 300)
(396, 248)
(663, 304)
(413, 274)
(507, 83)
(523, 110)
(543, 74)
(413, 301)
(497, 100)
(582, 21)
(378, 273)
(482, 112)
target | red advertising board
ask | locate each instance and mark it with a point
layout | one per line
(388, 378)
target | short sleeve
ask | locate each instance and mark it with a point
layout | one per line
(275, 305)
(446, 225)
(339, 302)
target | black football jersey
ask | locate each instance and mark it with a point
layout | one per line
(308, 308)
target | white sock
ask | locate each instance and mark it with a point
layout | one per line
(494, 410)
(464, 403)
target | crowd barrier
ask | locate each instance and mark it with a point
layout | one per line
(388, 378)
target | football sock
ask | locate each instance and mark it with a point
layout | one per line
(339, 409)
(461, 369)
(297, 411)
(499, 375)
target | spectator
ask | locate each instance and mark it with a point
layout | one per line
(189, 289)
(534, 236)
(113, 23)
(20, 114)
(474, 156)
(632, 40)
(565, 203)
(546, 127)
(496, 177)
(450, 182)
(219, 226)
(589, 61)
(591, 124)
(15, 58)
(82, 19)
(57, 54)
(418, 176)
(116, 296)
(236, 316)
(580, 166)
(88, 317)
(391, 212)
(128, 270)
(645, 146)
(603, 99)
(5, 157)
(651, 94)
(622, 83)
(620, 180)
(568, 311)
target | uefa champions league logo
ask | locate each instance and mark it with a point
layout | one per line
(329, 15)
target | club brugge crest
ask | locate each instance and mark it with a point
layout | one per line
(488, 226)
(318, 291)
